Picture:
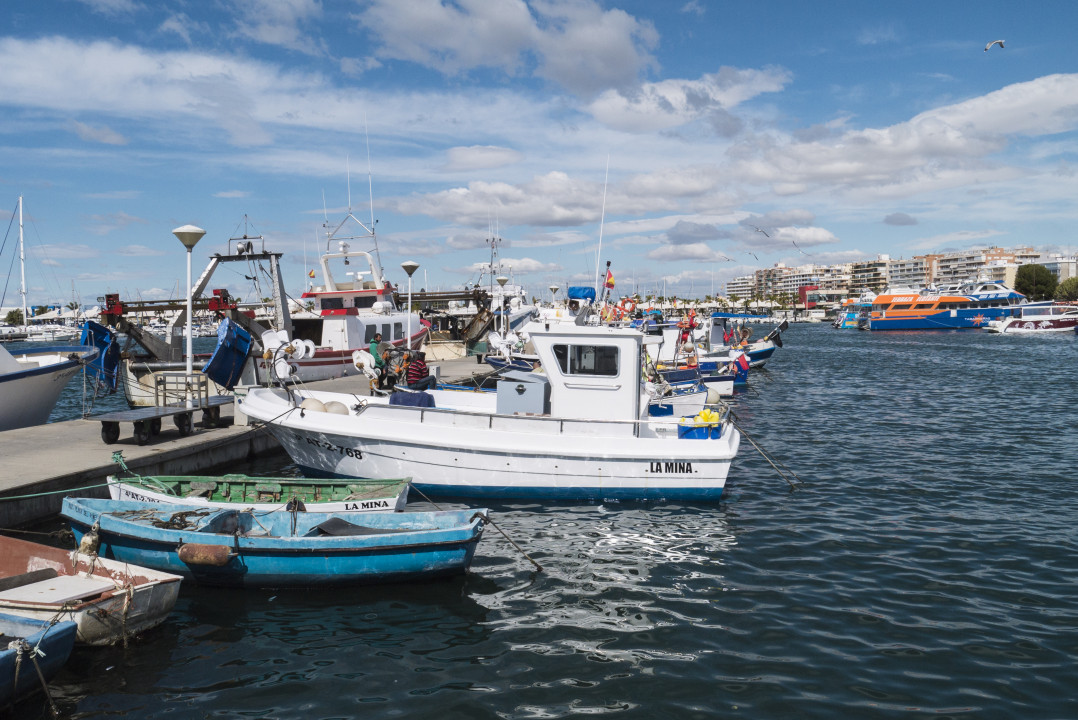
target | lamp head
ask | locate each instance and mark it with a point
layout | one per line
(410, 267)
(189, 235)
(502, 280)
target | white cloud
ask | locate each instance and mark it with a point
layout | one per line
(671, 103)
(279, 22)
(230, 194)
(139, 251)
(112, 7)
(479, 157)
(104, 224)
(574, 43)
(960, 239)
(691, 252)
(98, 134)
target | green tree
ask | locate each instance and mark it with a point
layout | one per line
(1035, 282)
(14, 317)
(1067, 291)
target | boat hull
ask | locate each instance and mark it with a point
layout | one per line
(231, 548)
(118, 601)
(362, 496)
(476, 455)
(28, 396)
(55, 642)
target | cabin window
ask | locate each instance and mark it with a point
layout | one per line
(386, 335)
(369, 331)
(905, 306)
(587, 359)
(924, 306)
(398, 330)
(332, 303)
(364, 301)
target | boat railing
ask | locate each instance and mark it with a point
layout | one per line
(539, 424)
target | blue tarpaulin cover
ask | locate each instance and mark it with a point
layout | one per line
(105, 367)
(226, 364)
(412, 399)
(579, 292)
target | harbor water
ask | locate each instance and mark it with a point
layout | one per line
(926, 568)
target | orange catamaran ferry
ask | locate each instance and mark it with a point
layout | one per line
(971, 306)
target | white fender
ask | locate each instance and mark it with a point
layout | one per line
(364, 362)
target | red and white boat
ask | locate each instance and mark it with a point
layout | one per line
(353, 303)
(1038, 317)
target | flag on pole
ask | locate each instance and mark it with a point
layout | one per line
(310, 274)
(609, 279)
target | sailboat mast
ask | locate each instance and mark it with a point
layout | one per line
(22, 270)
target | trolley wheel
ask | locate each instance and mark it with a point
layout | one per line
(142, 432)
(110, 432)
(183, 423)
(155, 426)
(207, 418)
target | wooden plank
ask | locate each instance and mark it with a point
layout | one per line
(64, 588)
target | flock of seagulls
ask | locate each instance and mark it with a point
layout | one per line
(761, 230)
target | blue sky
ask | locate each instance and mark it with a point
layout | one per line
(841, 129)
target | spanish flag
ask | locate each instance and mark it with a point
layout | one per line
(609, 279)
(310, 274)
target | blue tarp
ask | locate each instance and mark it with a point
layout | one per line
(226, 364)
(579, 292)
(412, 399)
(105, 367)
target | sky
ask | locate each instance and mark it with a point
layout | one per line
(685, 142)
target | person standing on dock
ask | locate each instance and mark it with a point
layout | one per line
(379, 361)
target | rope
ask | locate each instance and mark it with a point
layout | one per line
(784, 472)
(511, 542)
(486, 519)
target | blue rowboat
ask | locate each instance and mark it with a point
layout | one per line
(249, 548)
(20, 638)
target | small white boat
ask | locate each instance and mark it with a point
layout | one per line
(578, 430)
(31, 381)
(1038, 317)
(107, 599)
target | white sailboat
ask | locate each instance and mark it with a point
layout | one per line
(31, 380)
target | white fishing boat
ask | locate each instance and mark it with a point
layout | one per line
(578, 430)
(31, 380)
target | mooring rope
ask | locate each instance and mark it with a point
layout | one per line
(486, 519)
(784, 472)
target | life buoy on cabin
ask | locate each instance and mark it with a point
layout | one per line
(627, 306)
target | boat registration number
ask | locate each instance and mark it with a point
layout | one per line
(350, 452)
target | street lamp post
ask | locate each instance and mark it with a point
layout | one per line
(409, 267)
(189, 235)
(553, 291)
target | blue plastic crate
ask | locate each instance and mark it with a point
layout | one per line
(700, 432)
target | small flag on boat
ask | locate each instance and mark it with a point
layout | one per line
(609, 279)
(310, 274)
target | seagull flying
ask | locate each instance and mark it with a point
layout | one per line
(799, 248)
(994, 42)
(759, 230)
(752, 253)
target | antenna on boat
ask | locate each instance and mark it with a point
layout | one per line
(370, 191)
(602, 217)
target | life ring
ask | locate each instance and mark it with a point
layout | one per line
(627, 306)
(683, 323)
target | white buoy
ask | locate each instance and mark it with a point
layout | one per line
(336, 408)
(314, 405)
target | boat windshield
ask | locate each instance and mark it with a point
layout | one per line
(587, 359)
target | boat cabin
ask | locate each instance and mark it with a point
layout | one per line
(594, 371)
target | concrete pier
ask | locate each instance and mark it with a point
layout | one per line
(48, 462)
